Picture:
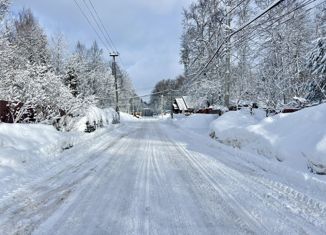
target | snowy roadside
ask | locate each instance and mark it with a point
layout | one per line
(197, 123)
(298, 139)
(28, 151)
(298, 176)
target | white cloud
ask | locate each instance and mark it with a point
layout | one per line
(163, 6)
(146, 32)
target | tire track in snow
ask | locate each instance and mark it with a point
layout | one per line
(205, 186)
(150, 182)
(303, 209)
(245, 219)
(94, 196)
(28, 206)
(279, 205)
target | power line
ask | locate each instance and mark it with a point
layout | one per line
(249, 35)
(211, 37)
(104, 37)
(236, 6)
(90, 24)
(200, 71)
(104, 28)
(275, 4)
(98, 26)
(228, 37)
(304, 4)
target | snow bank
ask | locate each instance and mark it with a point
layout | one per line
(23, 146)
(298, 139)
(198, 123)
(96, 118)
(29, 150)
(125, 117)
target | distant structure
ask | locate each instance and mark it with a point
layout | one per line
(147, 112)
(188, 105)
(184, 104)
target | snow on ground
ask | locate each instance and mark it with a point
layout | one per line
(26, 150)
(125, 117)
(158, 176)
(297, 139)
(198, 123)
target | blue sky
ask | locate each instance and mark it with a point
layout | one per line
(146, 32)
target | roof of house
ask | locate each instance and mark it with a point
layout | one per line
(181, 104)
(189, 101)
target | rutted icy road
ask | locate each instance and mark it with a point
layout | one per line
(154, 178)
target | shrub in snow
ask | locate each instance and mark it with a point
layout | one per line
(93, 119)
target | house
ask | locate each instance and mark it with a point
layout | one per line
(147, 112)
(179, 105)
(184, 104)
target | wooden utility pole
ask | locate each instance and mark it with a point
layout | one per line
(228, 56)
(171, 100)
(162, 104)
(114, 72)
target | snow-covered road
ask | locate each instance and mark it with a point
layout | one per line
(152, 177)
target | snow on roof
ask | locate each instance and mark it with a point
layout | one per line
(181, 104)
(300, 99)
(189, 101)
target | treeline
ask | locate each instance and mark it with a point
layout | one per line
(164, 92)
(279, 56)
(46, 75)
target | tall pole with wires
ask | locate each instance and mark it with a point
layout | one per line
(114, 72)
(228, 56)
(162, 105)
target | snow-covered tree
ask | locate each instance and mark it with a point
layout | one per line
(320, 21)
(4, 4)
(170, 89)
(243, 80)
(41, 77)
(264, 62)
(39, 88)
(30, 40)
(317, 67)
(58, 53)
(89, 74)
(204, 30)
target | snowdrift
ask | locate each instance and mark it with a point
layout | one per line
(125, 117)
(28, 149)
(25, 147)
(95, 118)
(298, 139)
(198, 123)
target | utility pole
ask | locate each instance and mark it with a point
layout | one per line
(171, 100)
(162, 104)
(114, 72)
(228, 56)
(132, 106)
